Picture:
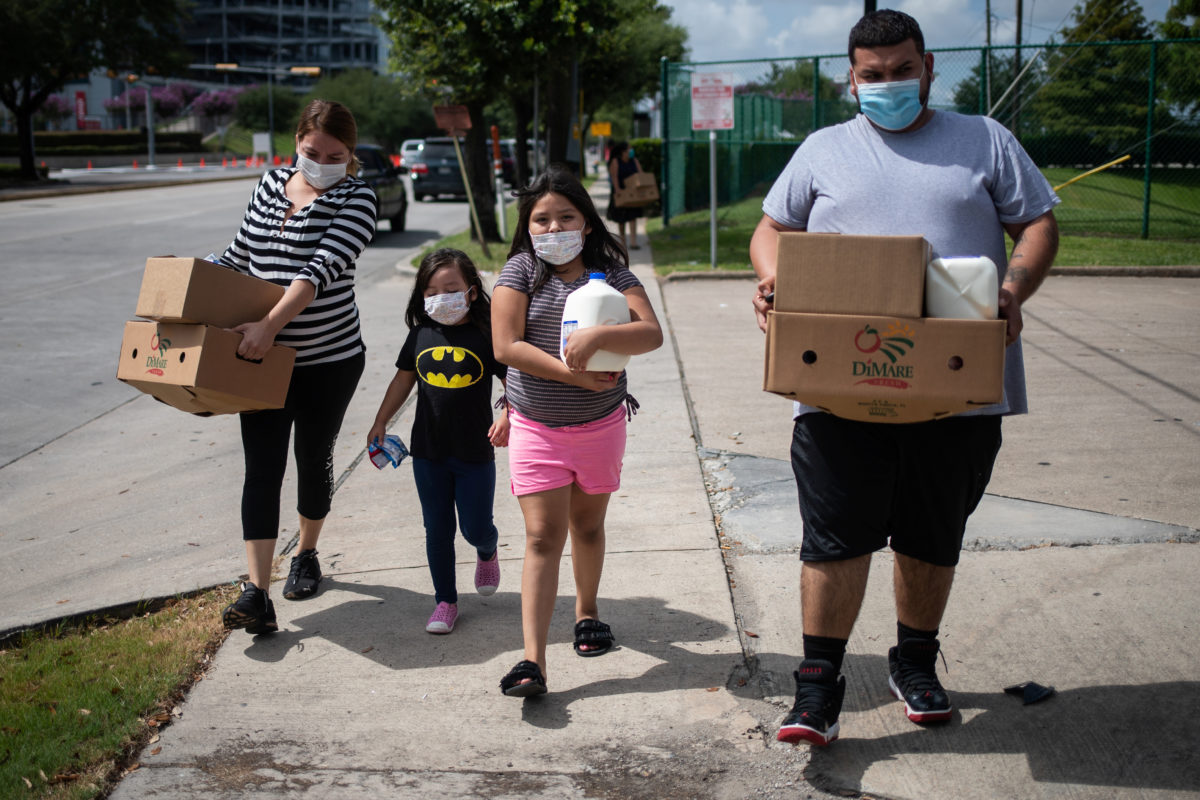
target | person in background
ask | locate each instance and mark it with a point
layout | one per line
(567, 424)
(622, 164)
(304, 229)
(962, 182)
(448, 356)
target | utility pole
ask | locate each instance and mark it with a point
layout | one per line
(1016, 115)
(987, 61)
(868, 7)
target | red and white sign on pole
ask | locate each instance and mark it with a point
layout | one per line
(712, 101)
(80, 110)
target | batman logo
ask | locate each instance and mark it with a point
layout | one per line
(449, 367)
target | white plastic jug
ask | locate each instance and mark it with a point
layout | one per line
(962, 288)
(595, 303)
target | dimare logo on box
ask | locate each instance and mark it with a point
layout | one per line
(155, 364)
(892, 344)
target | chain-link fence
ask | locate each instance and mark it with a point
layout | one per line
(1073, 107)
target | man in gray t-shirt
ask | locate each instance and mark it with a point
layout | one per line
(899, 168)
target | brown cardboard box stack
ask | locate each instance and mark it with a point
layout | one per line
(182, 354)
(640, 190)
(847, 334)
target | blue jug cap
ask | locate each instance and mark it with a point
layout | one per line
(596, 276)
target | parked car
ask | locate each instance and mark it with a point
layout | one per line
(434, 170)
(508, 161)
(408, 149)
(386, 180)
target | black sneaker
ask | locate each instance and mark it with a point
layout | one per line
(304, 577)
(913, 678)
(253, 610)
(819, 693)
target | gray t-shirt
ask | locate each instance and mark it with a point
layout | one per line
(954, 181)
(551, 403)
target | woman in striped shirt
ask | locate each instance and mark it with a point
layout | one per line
(304, 229)
(567, 425)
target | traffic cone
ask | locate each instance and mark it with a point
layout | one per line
(135, 166)
(201, 162)
(224, 162)
(89, 163)
(278, 161)
(179, 164)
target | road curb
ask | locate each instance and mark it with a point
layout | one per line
(1090, 272)
(97, 188)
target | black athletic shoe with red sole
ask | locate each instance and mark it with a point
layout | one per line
(912, 677)
(819, 694)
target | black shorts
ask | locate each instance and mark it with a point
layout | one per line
(864, 485)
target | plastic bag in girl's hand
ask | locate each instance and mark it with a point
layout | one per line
(390, 450)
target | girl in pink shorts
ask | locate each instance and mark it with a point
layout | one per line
(567, 434)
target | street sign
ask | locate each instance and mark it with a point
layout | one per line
(712, 101)
(601, 129)
(454, 120)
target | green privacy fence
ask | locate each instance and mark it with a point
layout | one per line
(1074, 107)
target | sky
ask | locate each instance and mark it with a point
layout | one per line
(740, 29)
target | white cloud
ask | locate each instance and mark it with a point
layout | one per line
(722, 30)
(742, 29)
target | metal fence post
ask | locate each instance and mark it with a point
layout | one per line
(984, 57)
(665, 144)
(1149, 140)
(816, 123)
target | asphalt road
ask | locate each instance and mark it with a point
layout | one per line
(71, 270)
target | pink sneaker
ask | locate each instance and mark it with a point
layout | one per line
(442, 619)
(487, 574)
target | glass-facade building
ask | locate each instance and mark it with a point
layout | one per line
(335, 35)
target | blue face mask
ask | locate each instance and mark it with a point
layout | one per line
(892, 106)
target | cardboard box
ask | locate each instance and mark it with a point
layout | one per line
(885, 369)
(834, 273)
(196, 368)
(640, 190)
(194, 290)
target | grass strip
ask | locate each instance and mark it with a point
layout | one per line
(78, 704)
(684, 245)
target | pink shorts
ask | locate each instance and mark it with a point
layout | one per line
(542, 458)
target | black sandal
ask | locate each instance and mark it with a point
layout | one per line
(596, 635)
(511, 684)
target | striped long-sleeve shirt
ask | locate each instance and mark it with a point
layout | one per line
(320, 243)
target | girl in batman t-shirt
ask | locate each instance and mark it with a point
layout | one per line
(448, 357)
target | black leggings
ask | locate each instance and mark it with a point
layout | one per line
(316, 402)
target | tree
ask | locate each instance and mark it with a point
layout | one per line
(475, 52)
(1098, 91)
(45, 44)
(1181, 63)
(792, 86)
(621, 65)
(386, 112)
(252, 112)
(55, 111)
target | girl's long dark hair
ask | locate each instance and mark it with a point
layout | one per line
(480, 312)
(601, 250)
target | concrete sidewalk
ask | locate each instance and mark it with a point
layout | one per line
(1079, 574)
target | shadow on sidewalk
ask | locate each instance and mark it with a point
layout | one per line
(1124, 737)
(386, 625)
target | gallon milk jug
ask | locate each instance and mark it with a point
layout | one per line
(962, 288)
(595, 303)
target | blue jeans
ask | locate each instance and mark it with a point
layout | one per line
(444, 486)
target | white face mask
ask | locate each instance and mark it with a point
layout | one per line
(559, 247)
(447, 309)
(320, 176)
